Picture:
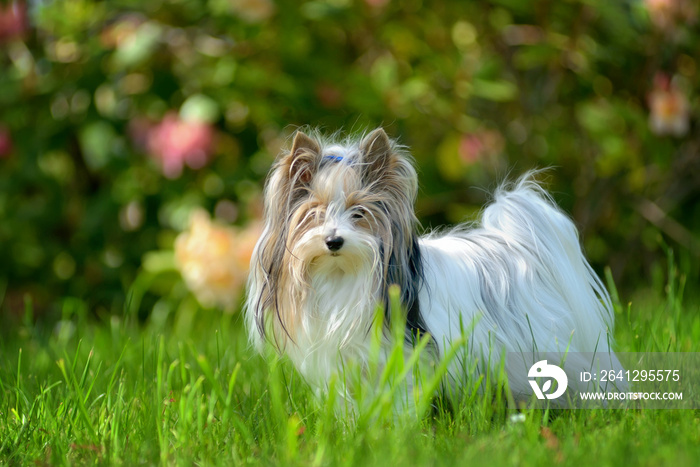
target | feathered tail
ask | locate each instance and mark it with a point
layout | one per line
(568, 293)
(529, 221)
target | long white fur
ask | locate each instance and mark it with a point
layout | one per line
(518, 283)
(517, 280)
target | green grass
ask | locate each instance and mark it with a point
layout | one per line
(187, 389)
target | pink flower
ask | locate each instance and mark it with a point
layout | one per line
(470, 147)
(13, 20)
(175, 142)
(475, 147)
(5, 142)
(214, 259)
(669, 110)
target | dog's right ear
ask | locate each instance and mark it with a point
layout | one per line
(300, 164)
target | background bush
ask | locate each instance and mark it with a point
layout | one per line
(118, 118)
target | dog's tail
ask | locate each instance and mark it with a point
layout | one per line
(565, 286)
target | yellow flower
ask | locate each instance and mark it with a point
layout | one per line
(214, 259)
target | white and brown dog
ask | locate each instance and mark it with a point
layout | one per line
(340, 229)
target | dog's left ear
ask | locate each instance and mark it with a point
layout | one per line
(377, 153)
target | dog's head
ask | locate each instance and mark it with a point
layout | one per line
(334, 211)
(342, 207)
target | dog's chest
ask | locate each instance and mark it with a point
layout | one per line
(337, 314)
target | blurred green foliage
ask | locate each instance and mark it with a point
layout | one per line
(118, 118)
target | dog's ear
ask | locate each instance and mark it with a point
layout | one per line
(302, 159)
(377, 153)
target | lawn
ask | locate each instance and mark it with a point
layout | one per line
(188, 390)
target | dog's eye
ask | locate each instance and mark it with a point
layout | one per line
(358, 214)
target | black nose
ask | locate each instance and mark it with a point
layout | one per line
(334, 243)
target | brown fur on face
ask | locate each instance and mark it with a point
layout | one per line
(370, 182)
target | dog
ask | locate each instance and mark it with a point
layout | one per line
(340, 231)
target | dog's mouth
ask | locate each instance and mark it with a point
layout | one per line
(328, 258)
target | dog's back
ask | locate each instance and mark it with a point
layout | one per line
(516, 282)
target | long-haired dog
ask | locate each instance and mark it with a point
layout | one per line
(340, 229)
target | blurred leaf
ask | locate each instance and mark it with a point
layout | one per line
(200, 108)
(449, 164)
(498, 91)
(599, 117)
(156, 262)
(384, 73)
(96, 141)
(535, 56)
(138, 47)
(614, 156)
